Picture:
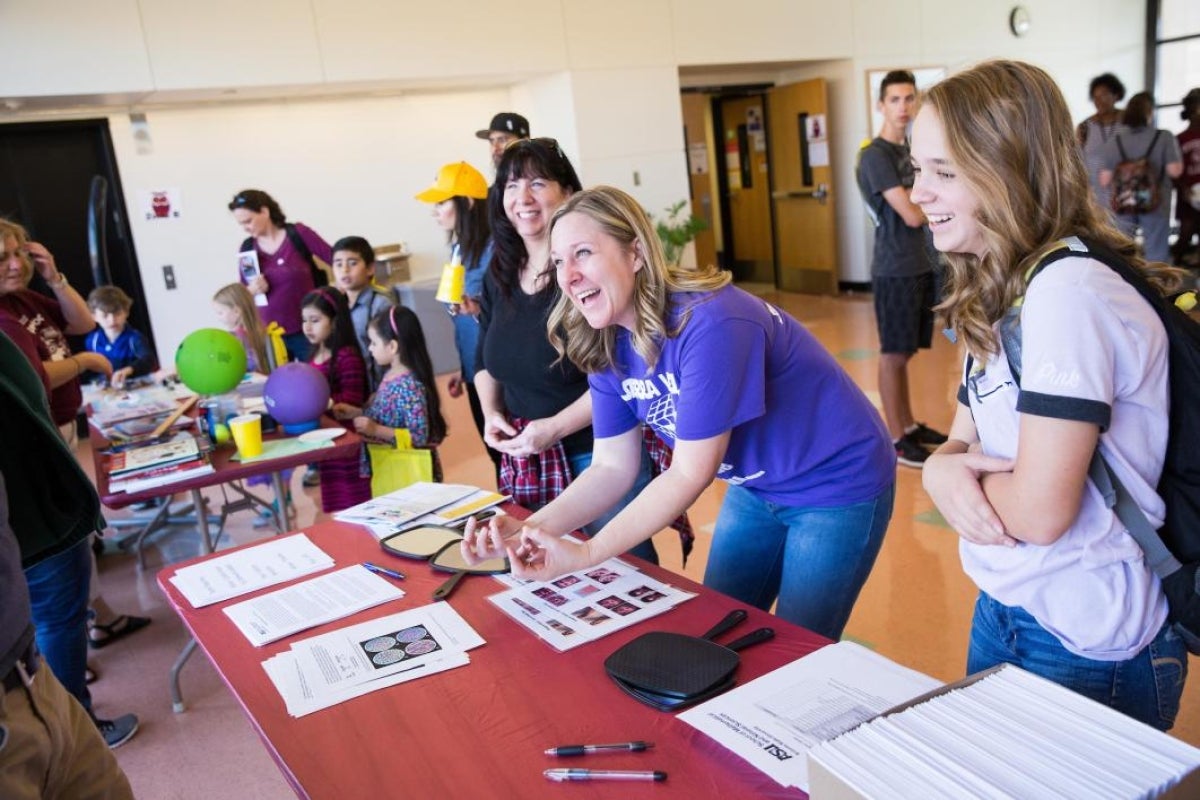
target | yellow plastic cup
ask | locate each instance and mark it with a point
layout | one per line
(450, 287)
(247, 434)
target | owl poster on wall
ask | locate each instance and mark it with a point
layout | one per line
(159, 204)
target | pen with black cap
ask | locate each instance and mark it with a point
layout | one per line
(575, 774)
(587, 749)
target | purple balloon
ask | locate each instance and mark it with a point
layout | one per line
(296, 393)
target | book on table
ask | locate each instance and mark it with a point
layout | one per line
(181, 448)
(153, 477)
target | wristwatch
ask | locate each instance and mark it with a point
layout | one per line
(61, 283)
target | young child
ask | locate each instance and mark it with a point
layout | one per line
(407, 397)
(325, 320)
(124, 347)
(354, 271)
(234, 306)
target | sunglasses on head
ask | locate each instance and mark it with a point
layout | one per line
(540, 141)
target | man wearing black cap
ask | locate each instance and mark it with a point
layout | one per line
(505, 129)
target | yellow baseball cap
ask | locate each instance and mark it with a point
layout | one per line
(459, 179)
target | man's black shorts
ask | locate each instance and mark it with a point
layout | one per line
(904, 312)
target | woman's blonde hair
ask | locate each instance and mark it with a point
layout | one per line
(238, 297)
(620, 216)
(1011, 138)
(17, 232)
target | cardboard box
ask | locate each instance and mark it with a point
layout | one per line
(825, 784)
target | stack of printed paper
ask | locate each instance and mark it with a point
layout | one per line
(325, 670)
(773, 720)
(250, 569)
(1006, 733)
(581, 607)
(419, 503)
(304, 605)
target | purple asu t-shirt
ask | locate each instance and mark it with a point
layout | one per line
(802, 433)
(289, 275)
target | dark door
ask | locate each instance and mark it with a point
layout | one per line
(46, 172)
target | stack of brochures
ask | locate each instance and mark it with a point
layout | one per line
(1004, 733)
(581, 607)
(136, 469)
(370, 656)
(420, 503)
(773, 720)
(275, 561)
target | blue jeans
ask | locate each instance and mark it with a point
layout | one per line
(644, 550)
(814, 560)
(58, 594)
(1146, 687)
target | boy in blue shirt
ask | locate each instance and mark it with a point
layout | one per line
(124, 347)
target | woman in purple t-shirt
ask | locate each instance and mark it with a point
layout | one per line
(285, 267)
(741, 391)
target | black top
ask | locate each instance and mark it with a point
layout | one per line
(514, 349)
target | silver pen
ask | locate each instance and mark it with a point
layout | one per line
(573, 774)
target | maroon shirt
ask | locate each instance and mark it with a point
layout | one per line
(42, 319)
(289, 275)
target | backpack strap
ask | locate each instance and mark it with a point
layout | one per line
(1121, 148)
(1118, 498)
(319, 277)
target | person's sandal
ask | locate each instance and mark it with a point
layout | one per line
(120, 627)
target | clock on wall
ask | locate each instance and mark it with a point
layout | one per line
(1019, 21)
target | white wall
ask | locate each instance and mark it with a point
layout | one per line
(404, 85)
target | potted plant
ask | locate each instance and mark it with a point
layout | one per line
(675, 233)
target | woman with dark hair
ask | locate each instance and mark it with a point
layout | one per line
(1187, 203)
(537, 409)
(286, 268)
(458, 197)
(1137, 138)
(1105, 91)
(1062, 362)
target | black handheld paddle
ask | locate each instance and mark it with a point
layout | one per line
(674, 665)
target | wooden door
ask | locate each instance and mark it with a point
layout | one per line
(803, 196)
(698, 139)
(744, 138)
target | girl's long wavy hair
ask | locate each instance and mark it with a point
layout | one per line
(1010, 136)
(622, 218)
(238, 297)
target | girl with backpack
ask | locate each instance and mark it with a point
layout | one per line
(1139, 164)
(1058, 364)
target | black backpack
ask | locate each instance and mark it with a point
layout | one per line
(1173, 551)
(1136, 189)
(319, 276)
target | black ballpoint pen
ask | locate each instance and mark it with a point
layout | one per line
(585, 749)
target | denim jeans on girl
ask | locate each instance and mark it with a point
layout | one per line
(58, 595)
(1146, 687)
(814, 560)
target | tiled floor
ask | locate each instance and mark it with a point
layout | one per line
(915, 609)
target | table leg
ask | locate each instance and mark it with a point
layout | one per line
(176, 695)
(284, 516)
(189, 648)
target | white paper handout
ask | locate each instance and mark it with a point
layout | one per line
(250, 569)
(772, 721)
(581, 607)
(477, 502)
(382, 647)
(404, 505)
(314, 602)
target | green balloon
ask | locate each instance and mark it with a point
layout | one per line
(210, 361)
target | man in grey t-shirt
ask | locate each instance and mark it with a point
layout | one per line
(901, 268)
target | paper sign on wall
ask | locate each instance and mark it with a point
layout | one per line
(816, 131)
(698, 158)
(159, 204)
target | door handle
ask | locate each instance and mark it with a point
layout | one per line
(819, 193)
